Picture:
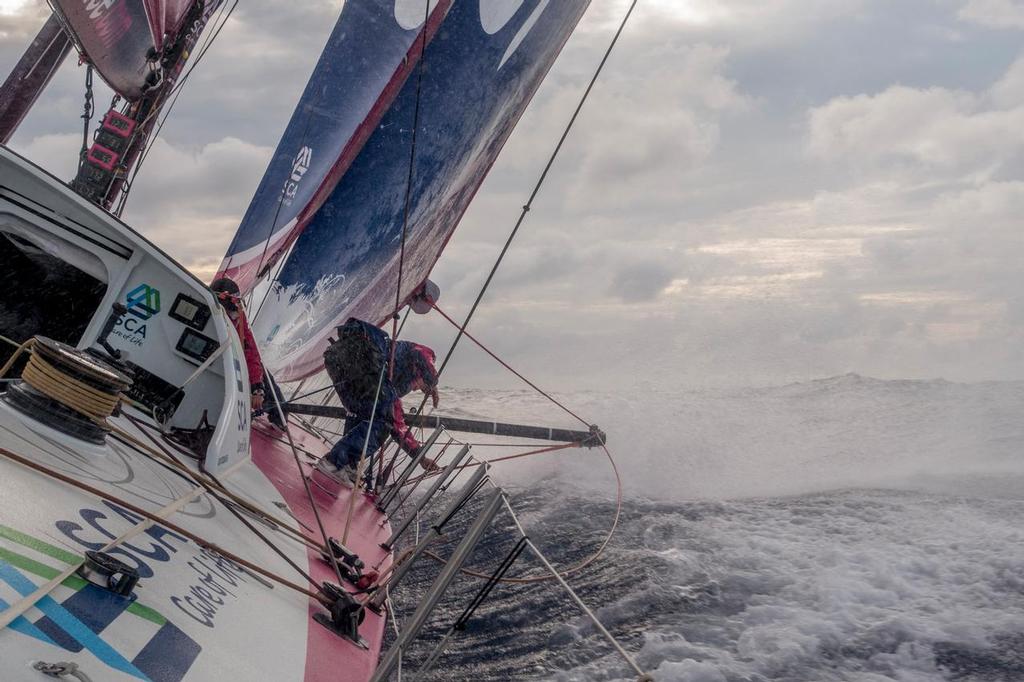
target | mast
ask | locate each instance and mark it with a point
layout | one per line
(31, 75)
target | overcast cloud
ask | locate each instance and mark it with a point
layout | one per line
(759, 191)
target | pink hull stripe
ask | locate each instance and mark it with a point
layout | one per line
(329, 658)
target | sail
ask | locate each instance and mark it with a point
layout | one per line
(123, 39)
(480, 71)
(374, 47)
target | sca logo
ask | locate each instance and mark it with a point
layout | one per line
(299, 167)
(143, 303)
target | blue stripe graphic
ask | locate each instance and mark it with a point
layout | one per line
(95, 607)
(169, 655)
(69, 623)
(22, 625)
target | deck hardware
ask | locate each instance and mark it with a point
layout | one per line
(60, 670)
(345, 614)
(110, 573)
(67, 389)
(117, 311)
(349, 563)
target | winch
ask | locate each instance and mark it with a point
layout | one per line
(67, 389)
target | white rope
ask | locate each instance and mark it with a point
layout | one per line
(641, 675)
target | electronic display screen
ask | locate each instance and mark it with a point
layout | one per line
(196, 345)
(190, 312)
(193, 345)
(186, 309)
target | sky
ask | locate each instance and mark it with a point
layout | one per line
(758, 192)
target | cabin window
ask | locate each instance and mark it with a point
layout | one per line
(42, 293)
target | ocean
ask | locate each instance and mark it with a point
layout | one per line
(846, 529)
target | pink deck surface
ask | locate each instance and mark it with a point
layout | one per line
(328, 656)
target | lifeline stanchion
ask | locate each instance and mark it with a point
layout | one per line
(468, 490)
(451, 568)
(481, 596)
(427, 497)
(392, 492)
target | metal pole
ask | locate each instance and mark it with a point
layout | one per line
(427, 497)
(441, 583)
(642, 676)
(389, 496)
(435, 531)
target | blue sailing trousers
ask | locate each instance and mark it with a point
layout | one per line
(349, 448)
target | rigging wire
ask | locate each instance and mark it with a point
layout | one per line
(462, 329)
(408, 187)
(576, 568)
(509, 368)
(533, 194)
(173, 95)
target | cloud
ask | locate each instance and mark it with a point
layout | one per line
(934, 127)
(1008, 91)
(640, 281)
(755, 192)
(1004, 14)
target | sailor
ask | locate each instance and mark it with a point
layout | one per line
(229, 295)
(358, 364)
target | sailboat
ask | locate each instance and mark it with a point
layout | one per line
(150, 527)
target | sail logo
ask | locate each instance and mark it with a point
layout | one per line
(496, 14)
(112, 20)
(303, 160)
(79, 616)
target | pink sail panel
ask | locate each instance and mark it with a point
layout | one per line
(165, 17)
(121, 37)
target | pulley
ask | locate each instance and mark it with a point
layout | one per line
(345, 614)
(110, 573)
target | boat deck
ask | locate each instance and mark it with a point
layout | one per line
(194, 615)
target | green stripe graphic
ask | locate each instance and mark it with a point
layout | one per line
(49, 573)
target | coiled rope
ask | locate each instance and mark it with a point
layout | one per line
(53, 382)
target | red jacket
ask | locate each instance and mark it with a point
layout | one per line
(253, 362)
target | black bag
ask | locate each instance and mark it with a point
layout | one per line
(354, 362)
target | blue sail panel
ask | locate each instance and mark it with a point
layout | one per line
(373, 48)
(480, 71)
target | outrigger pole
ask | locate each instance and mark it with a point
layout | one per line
(593, 438)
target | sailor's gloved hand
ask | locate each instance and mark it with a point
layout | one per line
(429, 464)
